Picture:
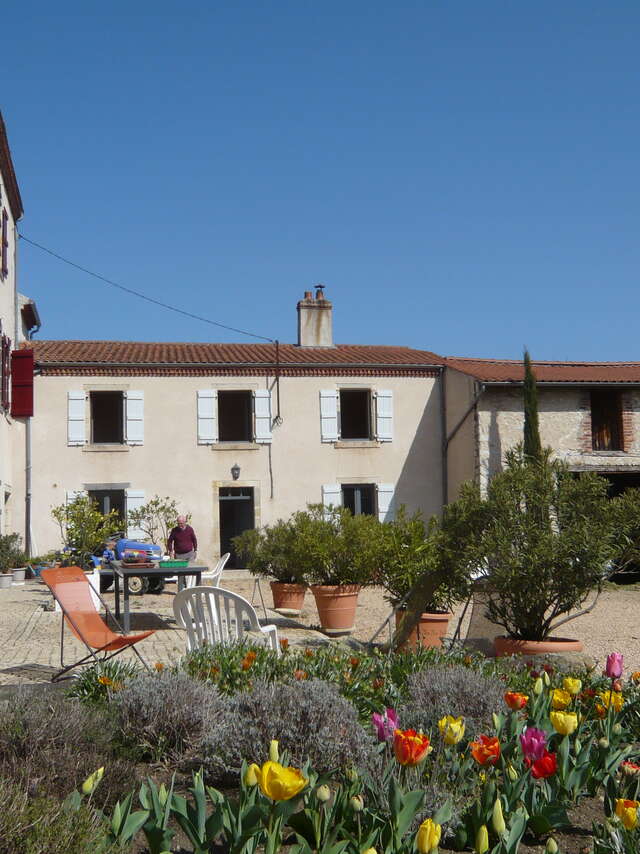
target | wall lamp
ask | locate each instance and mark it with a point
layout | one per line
(235, 471)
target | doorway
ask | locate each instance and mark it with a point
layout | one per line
(237, 514)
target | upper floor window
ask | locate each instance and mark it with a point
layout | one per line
(107, 417)
(111, 418)
(356, 413)
(233, 416)
(606, 420)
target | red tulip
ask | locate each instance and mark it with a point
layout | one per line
(410, 747)
(545, 766)
(486, 750)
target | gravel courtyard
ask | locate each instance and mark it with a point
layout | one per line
(30, 634)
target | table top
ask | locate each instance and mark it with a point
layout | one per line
(156, 570)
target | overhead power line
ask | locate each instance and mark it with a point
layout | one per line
(144, 296)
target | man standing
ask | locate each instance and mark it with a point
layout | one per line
(182, 543)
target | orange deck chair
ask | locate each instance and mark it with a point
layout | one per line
(70, 588)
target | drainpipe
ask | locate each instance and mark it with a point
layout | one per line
(27, 468)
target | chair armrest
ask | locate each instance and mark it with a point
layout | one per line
(272, 632)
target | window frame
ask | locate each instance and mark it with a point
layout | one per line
(611, 424)
(123, 440)
(346, 390)
(246, 393)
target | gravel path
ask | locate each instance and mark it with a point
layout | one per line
(30, 635)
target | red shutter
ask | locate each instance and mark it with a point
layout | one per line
(22, 383)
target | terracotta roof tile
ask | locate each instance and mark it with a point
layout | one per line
(511, 371)
(116, 355)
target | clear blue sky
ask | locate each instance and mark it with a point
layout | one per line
(463, 176)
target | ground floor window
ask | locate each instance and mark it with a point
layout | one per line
(360, 498)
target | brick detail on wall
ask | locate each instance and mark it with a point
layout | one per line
(585, 442)
(628, 435)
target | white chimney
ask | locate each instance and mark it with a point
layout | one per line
(315, 323)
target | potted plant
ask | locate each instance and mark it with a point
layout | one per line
(339, 553)
(12, 560)
(412, 552)
(273, 552)
(544, 540)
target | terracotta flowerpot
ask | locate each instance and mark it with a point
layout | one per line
(428, 632)
(336, 604)
(515, 646)
(288, 599)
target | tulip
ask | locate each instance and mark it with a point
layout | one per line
(91, 783)
(545, 679)
(545, 766)
(630, 768)
(538, 687)
(451, 729)
(482, 840)
(573, 686)
(616, 729)
(564, 722)
(323, 793)
(551, 847)
(533, 742)
(614, 665)
(512, 773)
(627, 812)
(497, 818)
(410, 747)
(357, 804)
(428, 837)
(251, 777)
(560, 699)
(274, 754)
(603, 743)
(279, 783)
(486, 750)
(612, 699)
(516, 701)
(385, 723)
(370, 851)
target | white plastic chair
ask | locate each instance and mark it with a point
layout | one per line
(212, 615)
(213, 575)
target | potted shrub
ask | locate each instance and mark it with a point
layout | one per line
(273, 552)
(544, 540)
(412, 552)
(339, 553)
(12, 560)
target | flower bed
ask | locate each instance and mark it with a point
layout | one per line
(397, 753)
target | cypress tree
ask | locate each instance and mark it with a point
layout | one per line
(532, 443)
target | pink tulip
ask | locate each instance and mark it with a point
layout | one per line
(533, 742)
(385, 723)
(614, 665)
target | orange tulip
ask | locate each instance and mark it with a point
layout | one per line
(486, 750)
(410, 747)
(516, 701)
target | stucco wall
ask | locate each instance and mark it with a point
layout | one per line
(461, 450)
(295, 465)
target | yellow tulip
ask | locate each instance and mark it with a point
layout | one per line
(552, 846)
(482, 840)
(91, 783)
(274, 754)
(357, 803)
(279, 783)
(573, 686)
(251, 777)
(428, 837)
(560, 699)
(497, 818)
(545, 679)
(370, 851)
(612, 699)
(451, 729)
(564, 722)
(538, 687)
(627, 812)
(323, 793)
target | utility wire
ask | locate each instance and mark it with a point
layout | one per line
(144, 296)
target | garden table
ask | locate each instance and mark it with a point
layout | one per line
(124, 572)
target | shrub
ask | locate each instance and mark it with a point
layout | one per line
(456, 690)
(32, 826)
(164, 715)
(49, 744)
(310, 720)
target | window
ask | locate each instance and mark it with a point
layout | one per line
(234, 416)
(360, 498)
(355, 414)
(5, 346)
(107, 417)
(606, 420)
(4, 245)
(108, 500)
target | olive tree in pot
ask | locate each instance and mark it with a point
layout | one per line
(342, 553)
(410, 551)
(544, 539)
(274, 552)
(12, 560)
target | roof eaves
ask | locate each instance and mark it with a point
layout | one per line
(9, 175)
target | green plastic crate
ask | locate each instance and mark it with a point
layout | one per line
(173, 564)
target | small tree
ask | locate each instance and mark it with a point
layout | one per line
(82, 526)
(532, 443)
(155, 518)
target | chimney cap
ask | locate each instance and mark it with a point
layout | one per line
(320, 291)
